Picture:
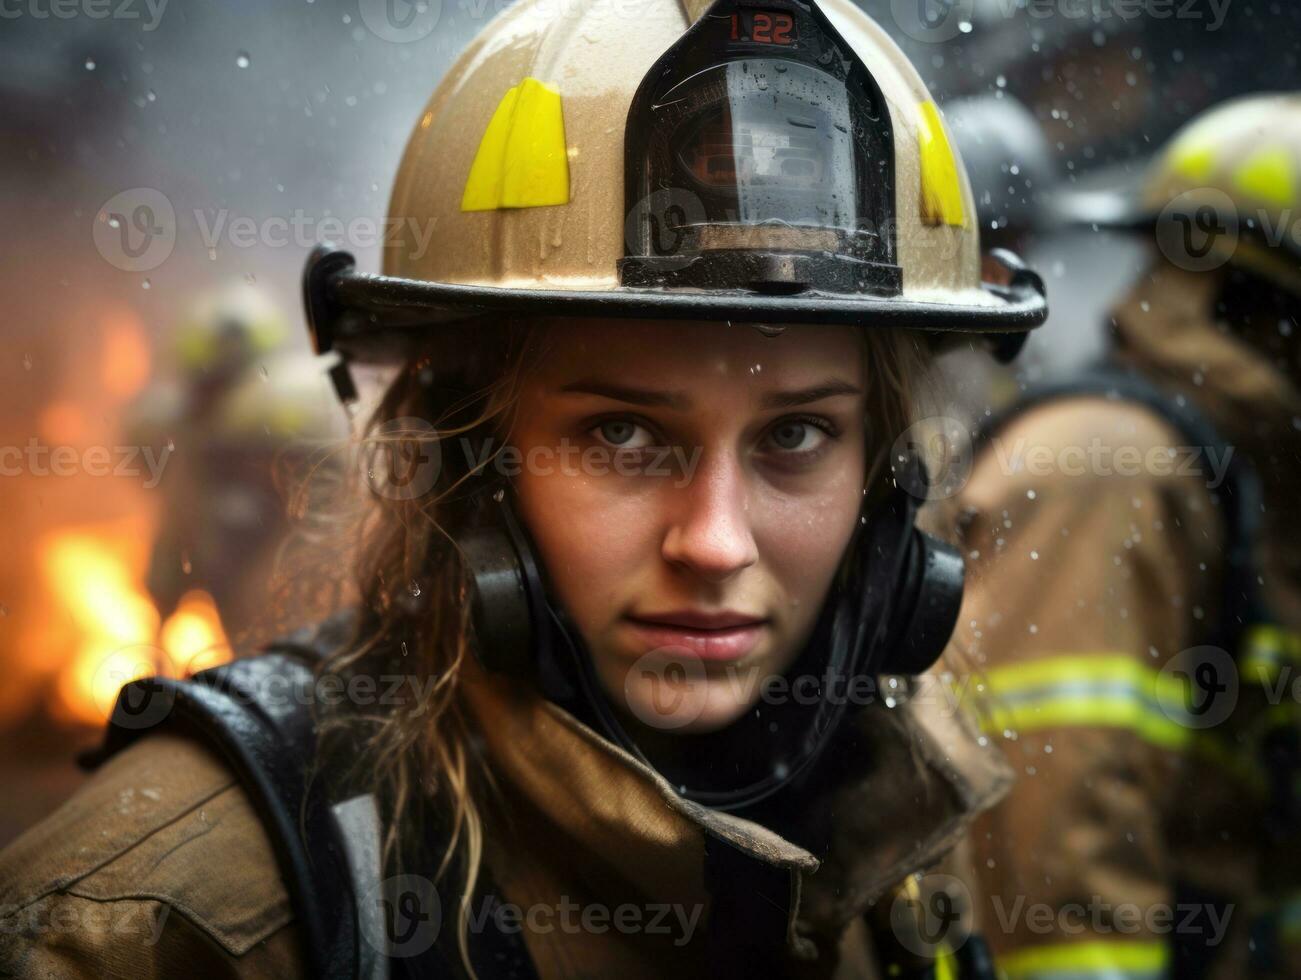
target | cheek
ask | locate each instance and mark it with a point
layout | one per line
(803, 541)
(594, 545)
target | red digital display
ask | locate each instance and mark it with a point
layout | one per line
(764, 27)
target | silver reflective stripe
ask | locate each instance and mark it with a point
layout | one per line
(358, 828)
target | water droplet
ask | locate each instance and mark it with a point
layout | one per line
(27, 362)
(242, 60)
(186, 567)
(770, 329)
(262, 370)
(499, 496)
(90, 64)
(146, 284)
(414, 589)
(404, 648)
(1030, 494)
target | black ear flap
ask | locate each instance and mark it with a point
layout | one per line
(505, 591)
(916, 580)
(927, 607)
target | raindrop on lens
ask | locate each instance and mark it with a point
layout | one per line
(242, 60)
(770, 329)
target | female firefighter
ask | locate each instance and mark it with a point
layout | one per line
(634, 558)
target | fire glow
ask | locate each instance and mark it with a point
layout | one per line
(119, 634)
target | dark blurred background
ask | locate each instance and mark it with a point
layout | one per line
(233, 135)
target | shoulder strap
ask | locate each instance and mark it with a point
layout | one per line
(1238, 495)
(256, 713)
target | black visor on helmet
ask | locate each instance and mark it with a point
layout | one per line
(760, 155)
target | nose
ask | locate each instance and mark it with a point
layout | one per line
(712, 536)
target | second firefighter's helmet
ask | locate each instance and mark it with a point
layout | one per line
(728, 161)
(1226, 189)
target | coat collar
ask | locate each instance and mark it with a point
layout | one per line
(918, 776)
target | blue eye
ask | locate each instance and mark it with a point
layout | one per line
(797, 436)
(623, 434)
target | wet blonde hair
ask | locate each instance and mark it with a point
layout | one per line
(408, 581)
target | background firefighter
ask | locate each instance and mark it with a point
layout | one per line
(1109, 610)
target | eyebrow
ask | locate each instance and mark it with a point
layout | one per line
(677, 401)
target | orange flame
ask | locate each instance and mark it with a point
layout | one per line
(119, 636)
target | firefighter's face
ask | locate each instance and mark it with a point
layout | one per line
(692, 489)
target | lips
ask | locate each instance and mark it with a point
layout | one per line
(718, 636)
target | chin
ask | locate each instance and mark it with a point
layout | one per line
(675, 703)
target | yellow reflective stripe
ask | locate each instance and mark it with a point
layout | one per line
(1268, 176)
(1266, 649)
(1195, 161)
(1101, 689)
(1087, 961)
(946, 964)
(941, 200)
(522, 160)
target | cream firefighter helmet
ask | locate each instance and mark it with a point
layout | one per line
(776, 162)
(1226, 189)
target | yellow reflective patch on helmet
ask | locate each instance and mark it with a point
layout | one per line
(1268, 176)
(1196, 162)
(941, 189)
(522, 160)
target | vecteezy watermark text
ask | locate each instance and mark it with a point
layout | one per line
(37, 459)
(1101, 458)
(937, 21)
(151, 11)
(408, 917)
(947, 449)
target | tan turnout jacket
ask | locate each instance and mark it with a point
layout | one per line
(158, 867)
(1096, 559)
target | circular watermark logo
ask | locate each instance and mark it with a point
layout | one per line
(666, 688)
(1198, 230)
(933, 21)
(942, 447)
(1198, 688)
(135, 230)
(131, 705)
(401, 21)
(407, 916)
(657, 226)
(934, 916)
(402, 459)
